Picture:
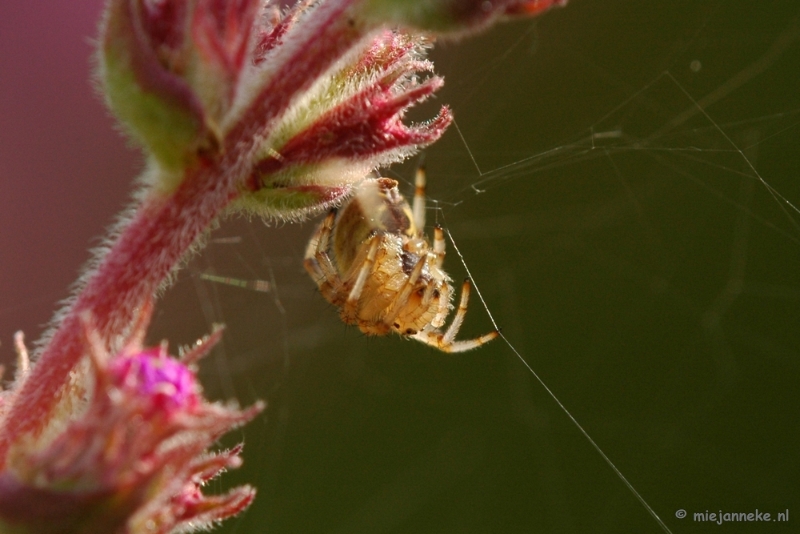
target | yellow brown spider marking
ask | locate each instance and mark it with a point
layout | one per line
(371, 260)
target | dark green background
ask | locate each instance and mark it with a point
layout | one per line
(654, 287)
(649, 279)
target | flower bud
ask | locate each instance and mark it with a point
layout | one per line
(140, 70)
(345, 126)
(135, 460)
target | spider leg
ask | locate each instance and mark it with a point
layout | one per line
(434, 339)
(461, 313)
(427, 297)
(438, 245)
(401, 297)
(349, 311)
(319, 242)
(314, 269)
(468, 344)
(318, 263)
(445, 341)
(325, 231)
(445, 292)
(418, 209)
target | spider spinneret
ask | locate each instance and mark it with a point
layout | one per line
(371, 260)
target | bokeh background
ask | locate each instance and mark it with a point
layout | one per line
(604, 201)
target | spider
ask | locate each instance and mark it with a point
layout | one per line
(371, 260)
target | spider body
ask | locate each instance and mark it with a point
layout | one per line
(371, 260)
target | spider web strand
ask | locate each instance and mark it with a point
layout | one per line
(575, 422)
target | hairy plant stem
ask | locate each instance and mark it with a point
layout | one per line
(145, 253)
(164, 227)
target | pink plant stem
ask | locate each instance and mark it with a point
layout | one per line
(165, 227)
(146, 252)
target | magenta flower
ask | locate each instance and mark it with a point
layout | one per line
(135, 459)
(237, 106)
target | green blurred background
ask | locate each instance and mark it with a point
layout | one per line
(619, 236)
